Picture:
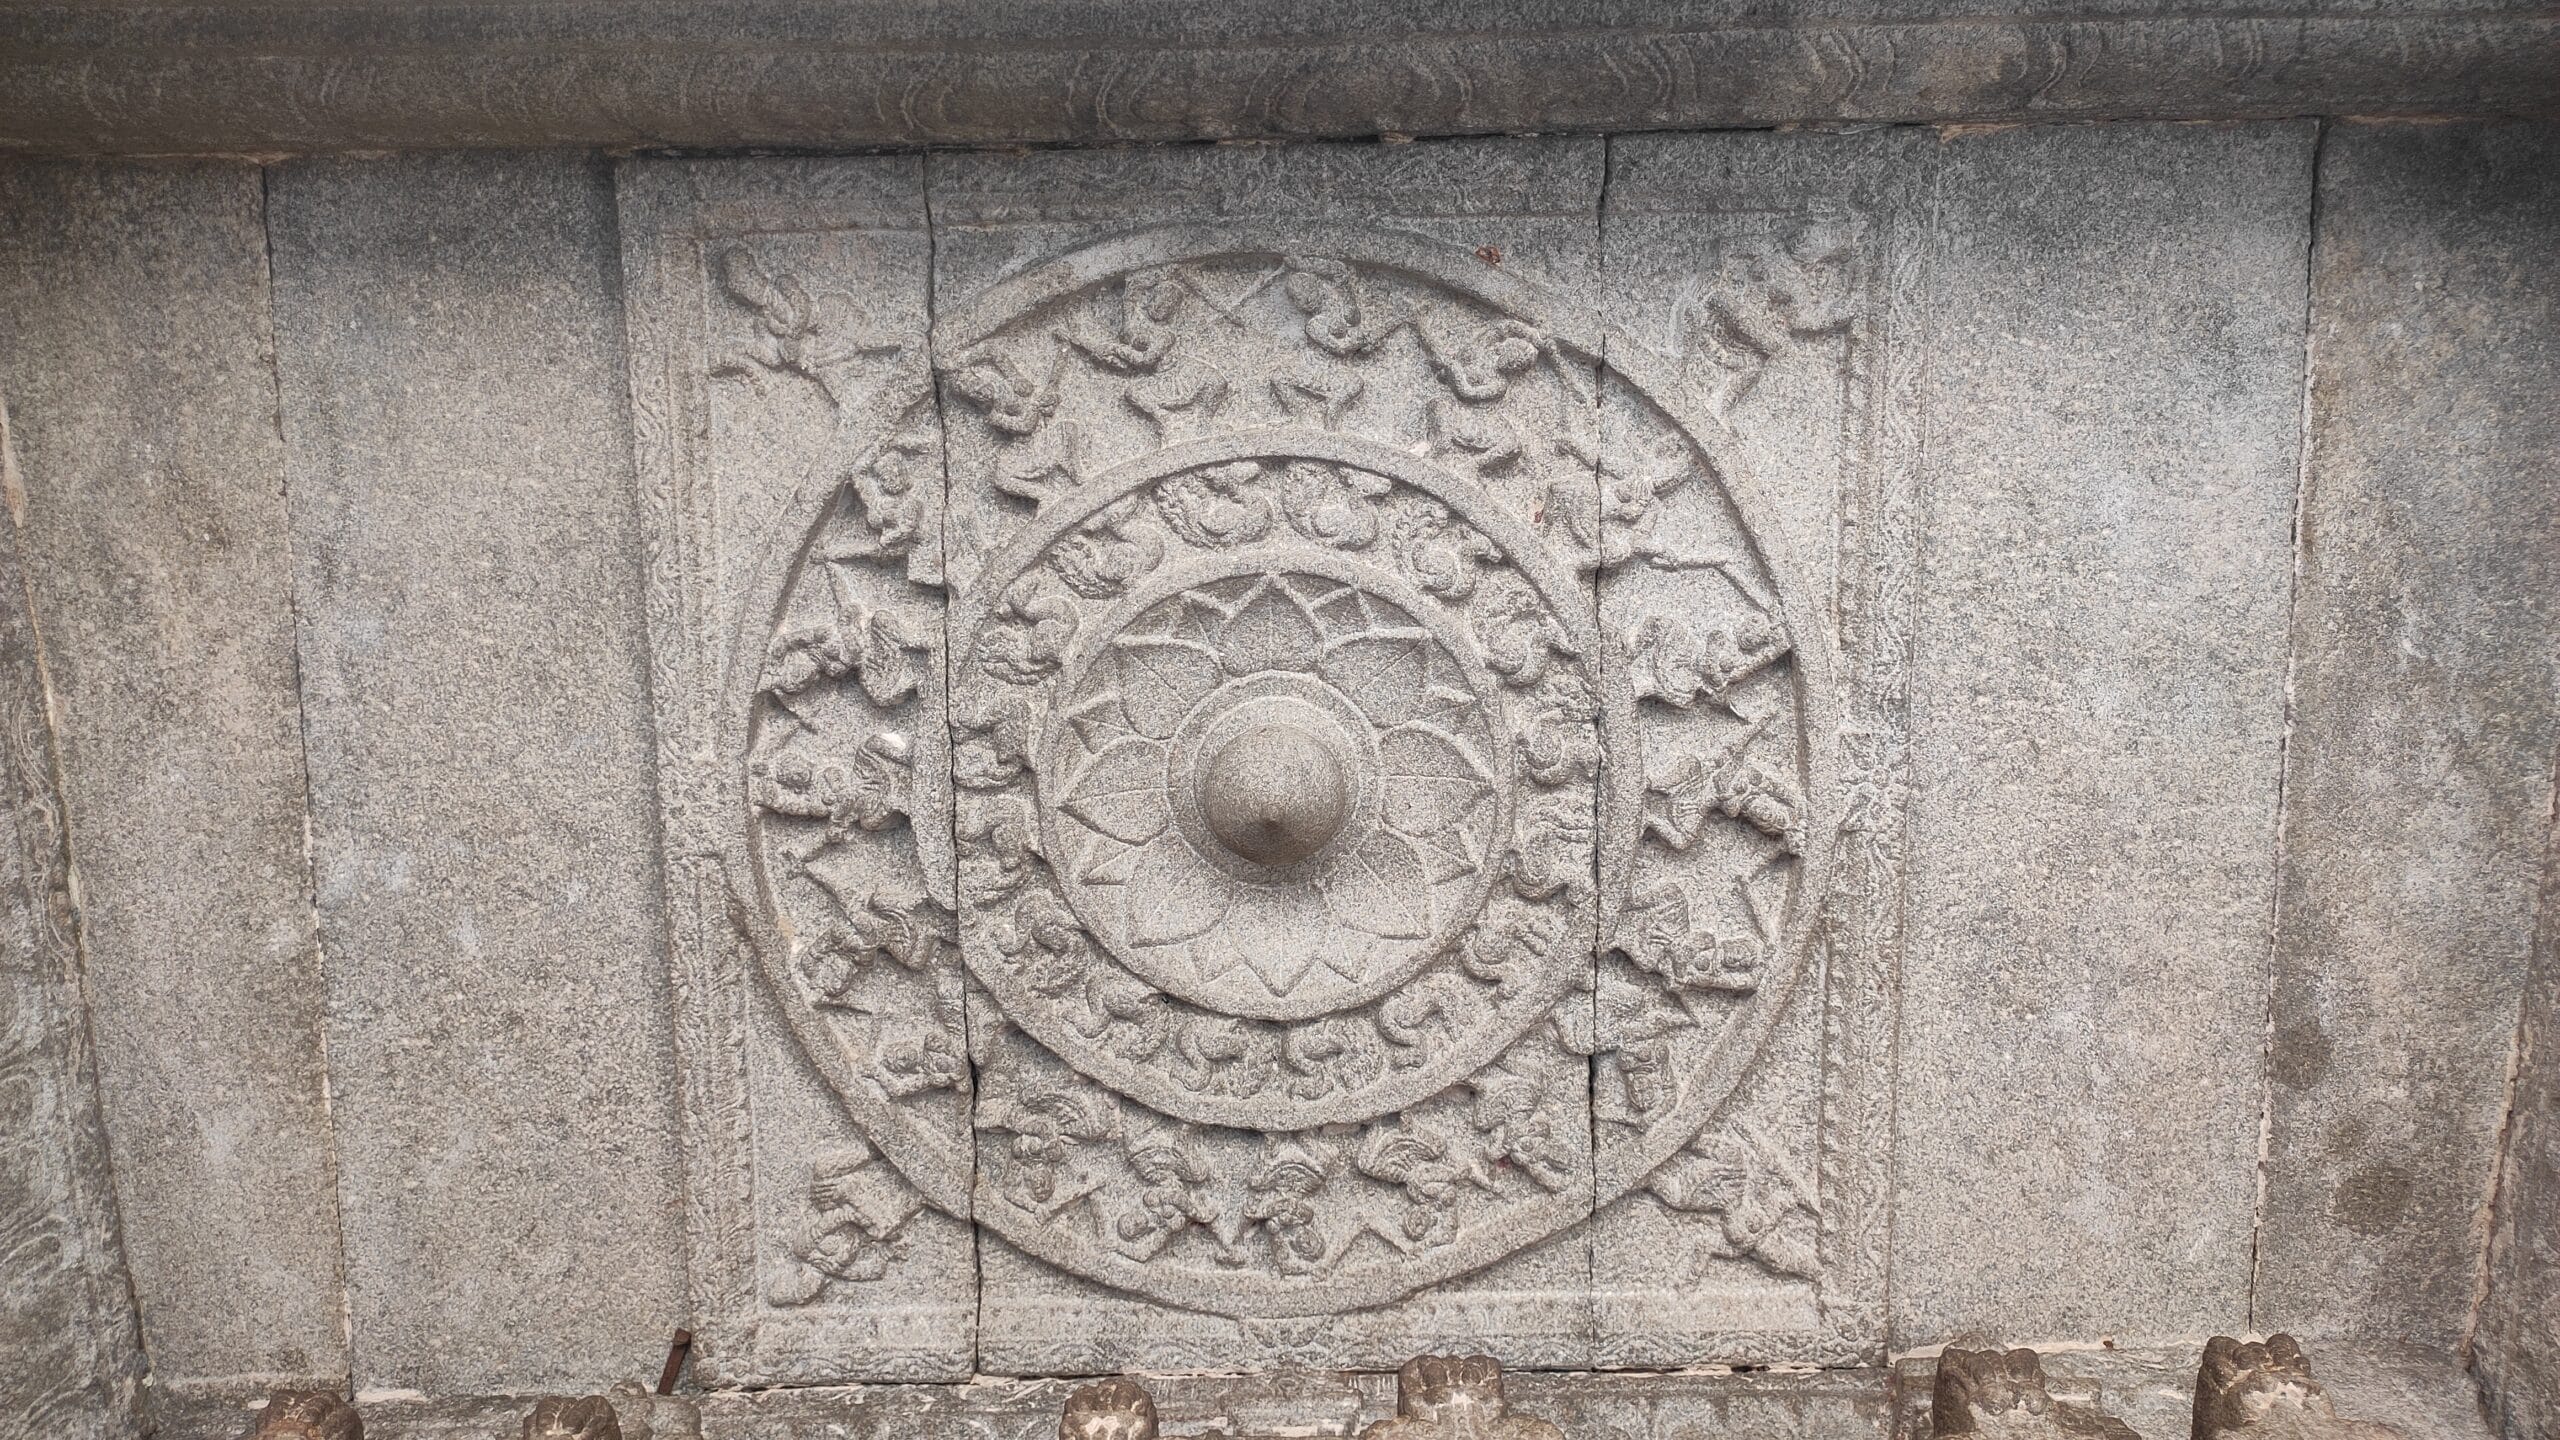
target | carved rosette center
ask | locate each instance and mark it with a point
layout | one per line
(1275, 794)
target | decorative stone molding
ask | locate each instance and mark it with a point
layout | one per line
(2000, 1395)
(2264, 1391)
(137, 78)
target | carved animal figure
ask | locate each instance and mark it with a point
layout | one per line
(307, 1415)
(1455, 1397)
(2001, 1396)
(560, 1417)
(2264, 1391)
(1109, 1410)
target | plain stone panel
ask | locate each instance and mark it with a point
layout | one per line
(2108, 471)
(2427, 705)
(66, 1305)
(134, 354)
(476, 700)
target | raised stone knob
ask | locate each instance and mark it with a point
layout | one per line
(1274, 794)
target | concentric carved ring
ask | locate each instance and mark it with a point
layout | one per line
(1277, 790)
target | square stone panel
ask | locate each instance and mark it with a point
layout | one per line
(1223, 823)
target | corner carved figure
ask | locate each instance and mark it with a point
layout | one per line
(307, 1415)
(2001, 1396)
(560, 1417)
(1109, 1410)
(1455, 1397)
(2264, 1391)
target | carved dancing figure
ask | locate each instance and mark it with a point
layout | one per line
(1027, 635)
(1479, 362)
(855, 1228)
(1216, 506)
(1765, 298)
(819, 337)
(1661, 934)
(1727, 782)
(1672, 663)
(1149, 300)
(1334, 505)
(1761, 1209)
(868, 792)
(875, 648)
(1327, 292)
(1049, 1122)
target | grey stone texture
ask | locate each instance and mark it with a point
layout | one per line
(149, 505)
(1990, 767)
(2426, 716)
(66, 1304)
(2108, 461)
(1310, 1405)
(475, 689)
(1384, 1215)
(156, 78)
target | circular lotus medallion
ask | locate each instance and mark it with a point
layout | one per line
(1365, 809)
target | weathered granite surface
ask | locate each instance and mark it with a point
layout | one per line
(66, 1303)
(195, 77)
(476, 704)
(2426, 714)
(2004, 424)
(148, 500)
(2111, 404)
